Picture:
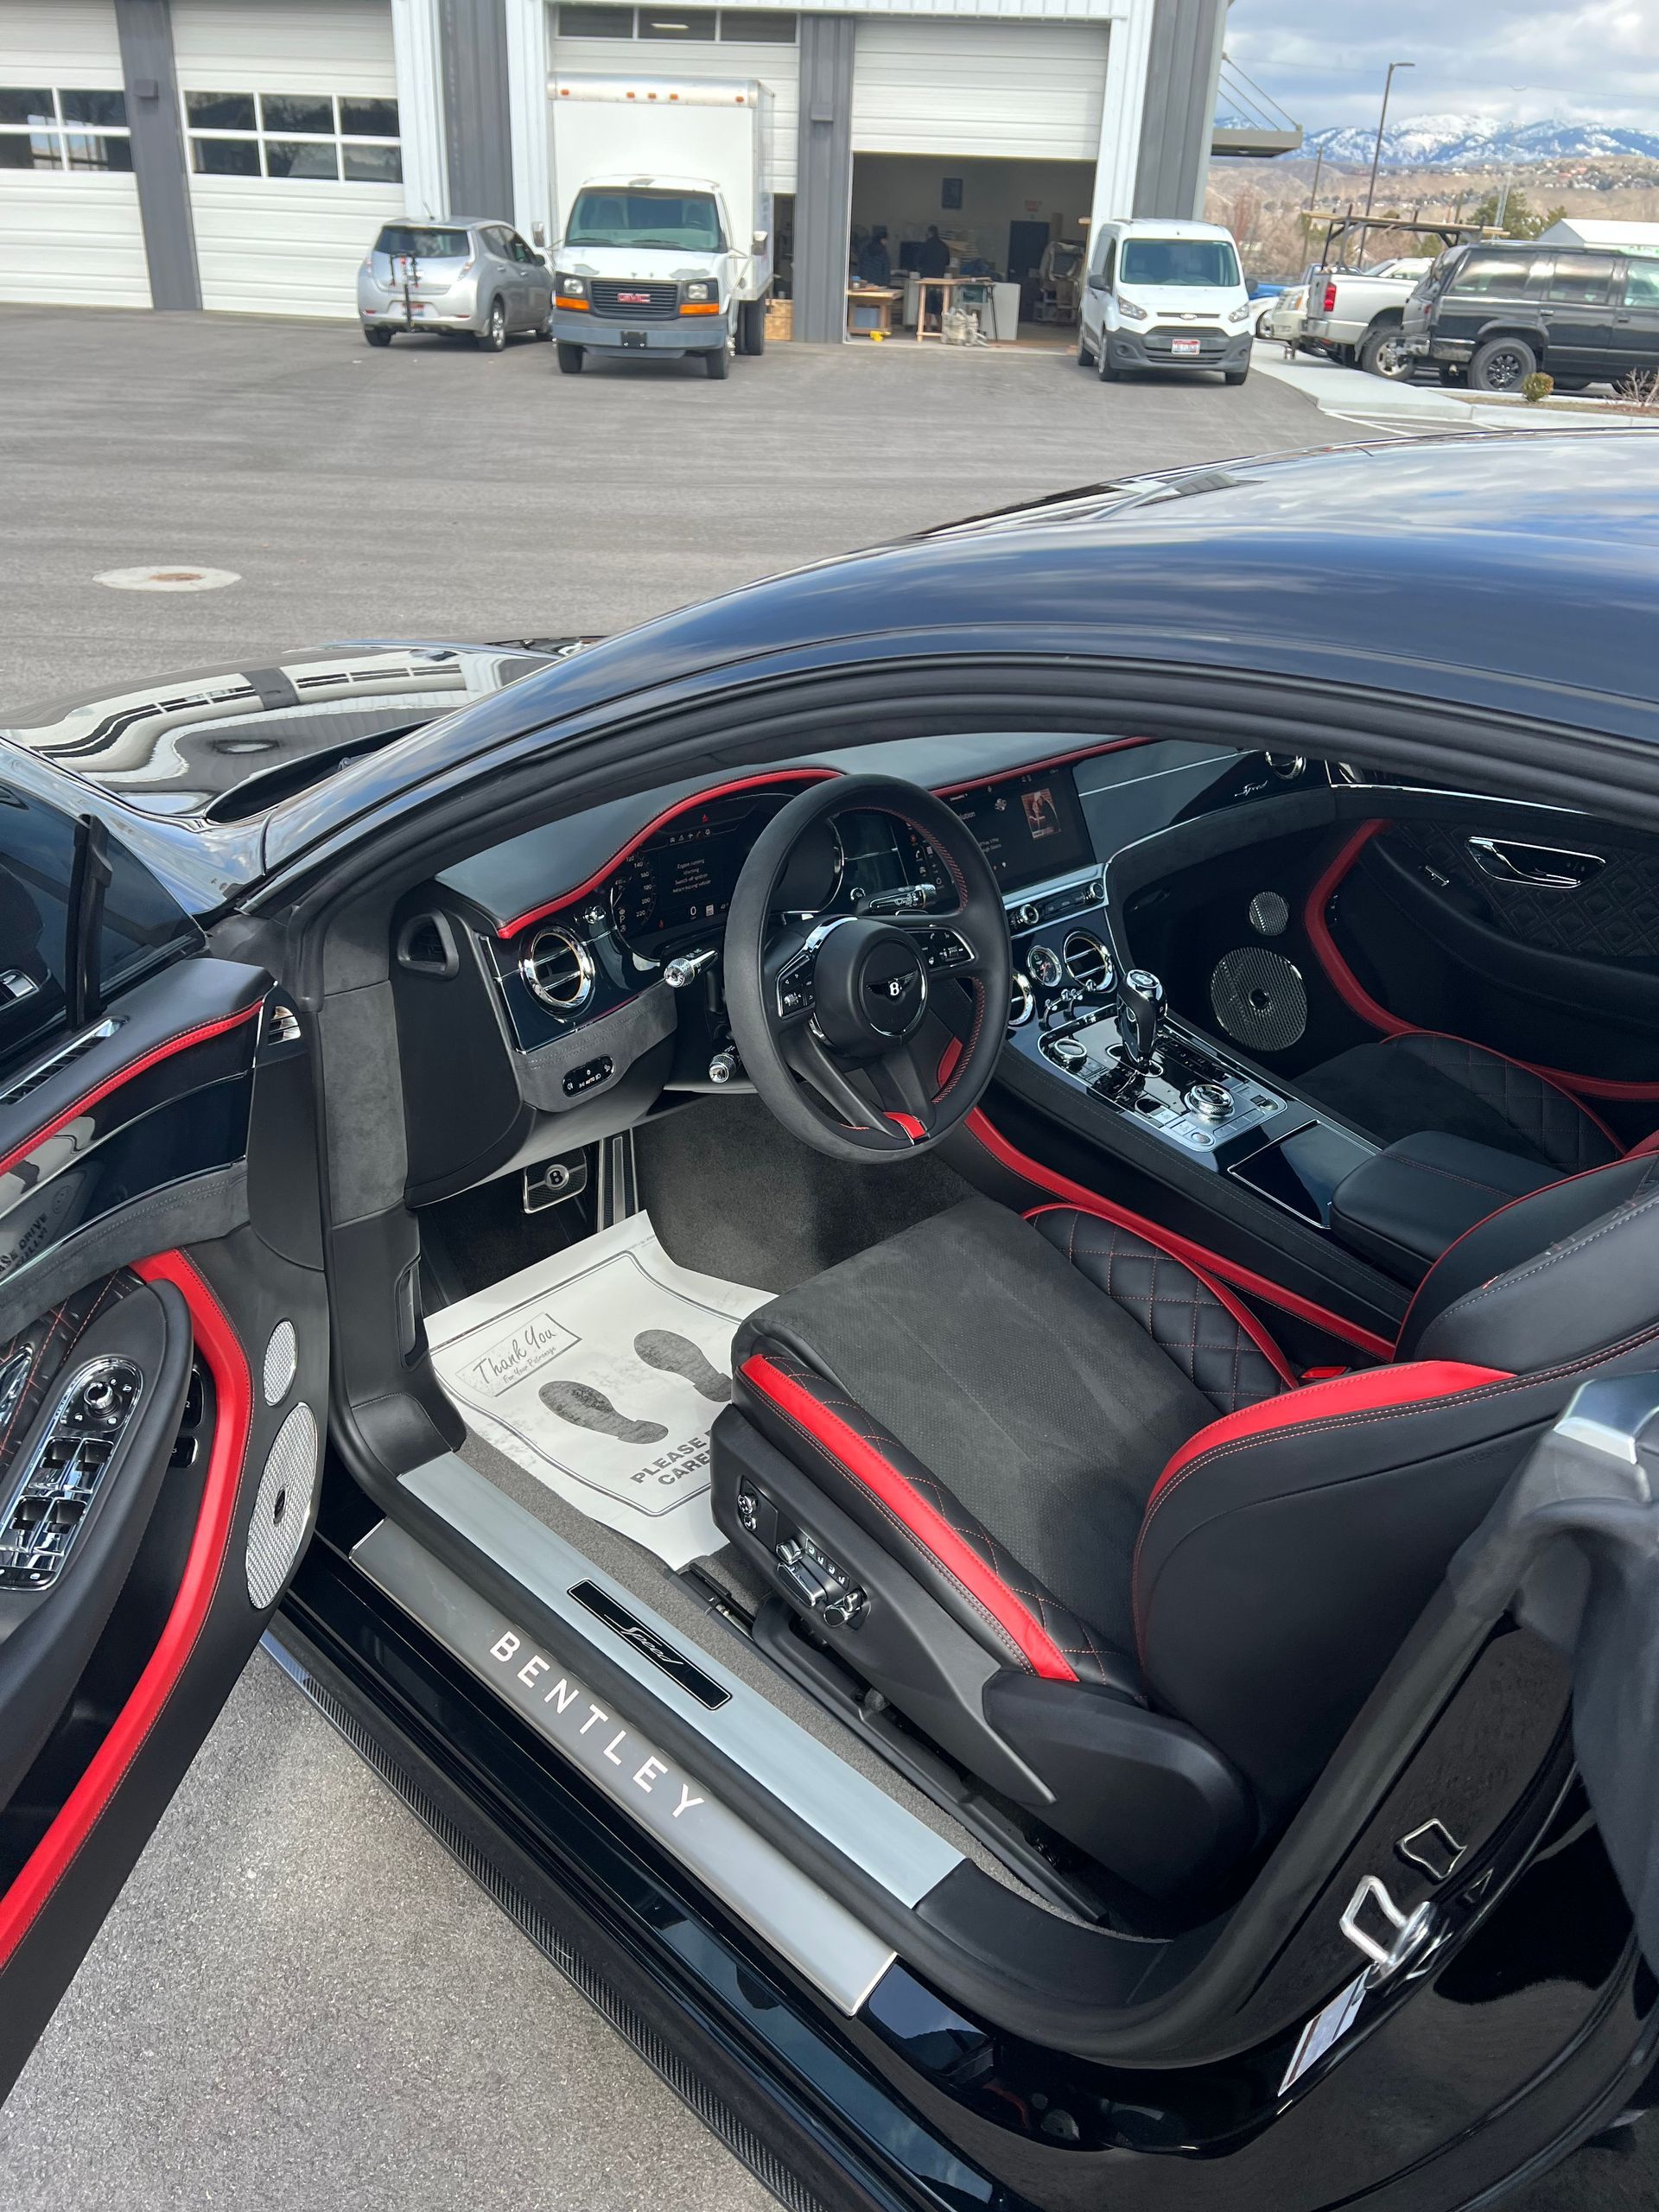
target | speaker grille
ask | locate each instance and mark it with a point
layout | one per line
(1268, 913)
(282, 1507)
(1259, 998)
(282, 1357)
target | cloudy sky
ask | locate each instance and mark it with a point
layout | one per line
(1515, 61)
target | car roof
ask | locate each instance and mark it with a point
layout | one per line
(1155, 226)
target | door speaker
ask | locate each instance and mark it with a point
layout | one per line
(281, 1509)
(1259, 998)
(1269, 914)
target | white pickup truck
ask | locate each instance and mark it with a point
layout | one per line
(1353, 315)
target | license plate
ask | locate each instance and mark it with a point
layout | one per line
(1185, 346)
(633, 338)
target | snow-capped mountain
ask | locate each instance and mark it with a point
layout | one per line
(1462, 141)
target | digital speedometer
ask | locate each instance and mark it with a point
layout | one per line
(636, 899)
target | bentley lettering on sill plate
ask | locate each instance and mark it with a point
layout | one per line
(579, 1715)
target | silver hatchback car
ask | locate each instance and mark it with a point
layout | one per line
(473, 278)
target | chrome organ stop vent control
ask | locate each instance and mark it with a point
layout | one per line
(47, 1509)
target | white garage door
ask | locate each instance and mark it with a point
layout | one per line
(1029, 90)
(290, 111)
(718, 50)
(69, 227)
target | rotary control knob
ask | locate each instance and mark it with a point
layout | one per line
(1212, 1102)
(1067, 1052)
(1027, 916)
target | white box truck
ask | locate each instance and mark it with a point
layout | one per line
(662, 218)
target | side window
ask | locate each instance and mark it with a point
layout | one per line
(1495, 275)
(1642, 283)
(1110, 271)
(521, 252)
(1581, 279)
(80, 920)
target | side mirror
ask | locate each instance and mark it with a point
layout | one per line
(1097, 283)
(759, 239)
(540, 259)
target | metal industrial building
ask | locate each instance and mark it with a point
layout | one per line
(238, 155)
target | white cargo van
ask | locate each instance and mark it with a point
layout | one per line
(1162, 295)
(663, 218)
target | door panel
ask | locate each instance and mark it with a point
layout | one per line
(163, 1378)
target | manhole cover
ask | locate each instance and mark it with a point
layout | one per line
(173, 579)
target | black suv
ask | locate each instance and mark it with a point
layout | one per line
(1503, 310)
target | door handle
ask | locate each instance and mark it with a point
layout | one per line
(1541, 868)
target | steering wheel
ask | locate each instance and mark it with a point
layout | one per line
(870, 1035)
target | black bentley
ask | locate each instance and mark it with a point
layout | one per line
(931, 1295)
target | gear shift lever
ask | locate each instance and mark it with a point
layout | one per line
(1140, 1015)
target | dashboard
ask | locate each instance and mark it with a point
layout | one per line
(565, 939)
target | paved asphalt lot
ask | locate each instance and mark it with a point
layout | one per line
(431, 490)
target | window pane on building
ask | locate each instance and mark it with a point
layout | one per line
(595, 23)
(368, 118)
(92, 150)
(298, 111)
(219, 110)
(26, 103)
(30, 150)
(108, 108)
(372, 164)
(225, 156)
(677, 22)
(757, 26)
(301, 157)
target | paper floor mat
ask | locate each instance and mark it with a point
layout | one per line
(599, 1371)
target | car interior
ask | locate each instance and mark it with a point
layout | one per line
(1019, 1261)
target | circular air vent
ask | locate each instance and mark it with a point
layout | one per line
(1022, 1002)
(559, 970)
(1087, 960)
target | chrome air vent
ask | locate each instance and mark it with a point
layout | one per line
(559, 970)
(1022, 1002)
(1086, 958)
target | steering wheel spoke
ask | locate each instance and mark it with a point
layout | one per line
(943, 949)
(908, 1091)
(809, 1059)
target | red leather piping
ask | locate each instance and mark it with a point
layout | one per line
(1241, 1313)
(1354, 995)
(57, 1850)
(1370, 1391)
(157, 1053)
(862, 1460)
(1209, 1264)
(669, 814)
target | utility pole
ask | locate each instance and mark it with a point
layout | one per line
(1382, 120)
(1314, 194)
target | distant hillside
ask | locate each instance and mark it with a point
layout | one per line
(1473, 141)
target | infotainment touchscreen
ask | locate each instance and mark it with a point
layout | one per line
(1031, 826)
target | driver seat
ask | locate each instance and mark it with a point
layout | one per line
(1060, 1499)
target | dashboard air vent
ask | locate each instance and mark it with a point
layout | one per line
(559, 970)
(1086, 958)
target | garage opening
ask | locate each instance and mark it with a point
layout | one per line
(1014, 231)
(987, 133)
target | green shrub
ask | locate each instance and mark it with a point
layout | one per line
(1537, 386)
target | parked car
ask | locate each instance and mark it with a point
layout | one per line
(460, 279)
(1161, 296)
(1285, 317)
(1043, 1582)
(1354, 314)
(1500, 311)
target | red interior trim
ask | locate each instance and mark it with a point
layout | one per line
(1241, 1313)
(56, 1852)
(1209, 1264)
(878, 1476)
(669, 814)
(157, 1053)
(1649, 1143)
(911, 1128)
(1413, 1382)
(1354, 995)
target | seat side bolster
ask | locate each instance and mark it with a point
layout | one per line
(916, 1516)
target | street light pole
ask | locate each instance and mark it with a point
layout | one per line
(1382, 120)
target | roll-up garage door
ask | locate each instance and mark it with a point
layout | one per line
(719, 50)
(1024, 90)
(290, 113)
(69, 227)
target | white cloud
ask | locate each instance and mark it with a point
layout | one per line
(1596, 62)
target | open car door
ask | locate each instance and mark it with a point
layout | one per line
(163, 1367)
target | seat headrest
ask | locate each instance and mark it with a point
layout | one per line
(1569, 1271)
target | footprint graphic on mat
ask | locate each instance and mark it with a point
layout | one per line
(675, 1355)
(585, 1408)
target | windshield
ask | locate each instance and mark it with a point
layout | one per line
(426, 242)
(1178, 261)
(647, 218)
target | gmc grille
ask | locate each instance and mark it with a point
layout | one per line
(634, 303)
